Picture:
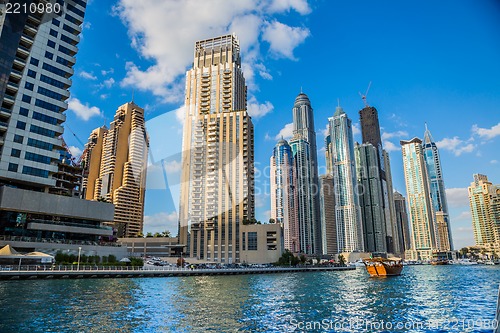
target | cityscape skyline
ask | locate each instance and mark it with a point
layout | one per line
(397, 100)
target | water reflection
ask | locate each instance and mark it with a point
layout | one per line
(250, 303)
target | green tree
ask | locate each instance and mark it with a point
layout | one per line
(156, 235)
(303, 259)
(272, 221)
(288, 259)
(111, 259)
(149, 234)
(166, 233)
(341, 260)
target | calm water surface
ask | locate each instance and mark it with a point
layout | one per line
(439, 299)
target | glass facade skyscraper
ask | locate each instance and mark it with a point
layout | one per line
(283, 194)
(38, 54)
(303, 145)
(347, 209)
(438, 192)
(421, 212)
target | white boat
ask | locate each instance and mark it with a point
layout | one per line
(358, 263)
(489, 262)
(466, 261)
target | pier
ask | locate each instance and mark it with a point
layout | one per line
(65, 272)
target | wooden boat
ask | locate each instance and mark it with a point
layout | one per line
(383, 267)
(440, 262)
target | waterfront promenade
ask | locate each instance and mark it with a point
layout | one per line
(69, 272)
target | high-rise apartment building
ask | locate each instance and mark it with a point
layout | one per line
(371, 198)
(37, 57)
(303, 145)
(217, 181)
(327, 208)
(283, 194)
(347, 209)
(421, 212)
(115, 163)
(402, 222)
(381, 206)
(438, 193)
(484, 198)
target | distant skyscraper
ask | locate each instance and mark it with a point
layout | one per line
(438, 193)
(115, 163)
(347, 209)
(370, 131)
(37, 53)
(421, 213)
(303, 145)
(402, 222)
(371, 198)
(283, 194)
(217, 181)
(484, 200)
(328, 224)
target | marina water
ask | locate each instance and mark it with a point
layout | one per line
(423, 299)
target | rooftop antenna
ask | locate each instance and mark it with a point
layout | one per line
(426, 126)
(301, 90)
(338, 102)
(363, 97)
(132, 95)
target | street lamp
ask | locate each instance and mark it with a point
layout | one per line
(79, 252)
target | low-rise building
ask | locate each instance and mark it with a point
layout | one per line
(261, 243)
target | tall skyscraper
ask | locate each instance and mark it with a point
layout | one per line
(402, 221)
(381, 185)
(37, 57)
(217, 181)
(347, 209)
(303, 145)
(484, 198)
(115, 163)
(371, 198)
(421, 213)
(438, 193)
(327, 208)
(283, 194)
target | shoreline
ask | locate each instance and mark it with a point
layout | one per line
(134, 273)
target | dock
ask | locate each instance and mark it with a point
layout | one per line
(141, 272)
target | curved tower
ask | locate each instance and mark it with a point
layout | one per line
(305, 154)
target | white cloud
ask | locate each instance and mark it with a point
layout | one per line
(283, 39)
(190, 20)
(82, 111)
(300, 6)
(172, 167)
(110, 71)
(267, 137)
(104, 96)
(285, 133)
(160, 222)
(456, 145)
(75, 151)
(180, 114)
(325, 131)
(87, 75)
(389, 145)
(356, 129)
(457, 197)
(487, 133)
(493, 161)
(257, 110)
(109, 82)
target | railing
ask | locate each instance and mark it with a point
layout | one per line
(58, 241)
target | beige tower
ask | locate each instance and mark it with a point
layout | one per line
(217, 192)
(115, 163)
(484, 198)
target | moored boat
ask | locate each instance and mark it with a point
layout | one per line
(383, 267)
(440, 262)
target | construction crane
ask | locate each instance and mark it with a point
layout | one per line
(79, 160)
(363, 97)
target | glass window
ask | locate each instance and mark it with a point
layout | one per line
(29, 85)
(252, 241)
(13, 167)
(31, 73)
(26, 98)
(51, 43)
(21, 125)
(49, 55)
(15, 152)
(53, 33)
(18, 138)
(24, 112)
(34, 61)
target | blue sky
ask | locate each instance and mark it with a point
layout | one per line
(434, 62)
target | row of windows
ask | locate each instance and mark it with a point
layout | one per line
(42, 131)
(65, 50)
(50, 93)
(45, 118)
(68, 39)
(70, 29)
(64, 61)
(37, 157)
(52, 82)
(35, 172)
(76, 10)
(48, 106)
(40, 144)
(55, 70)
